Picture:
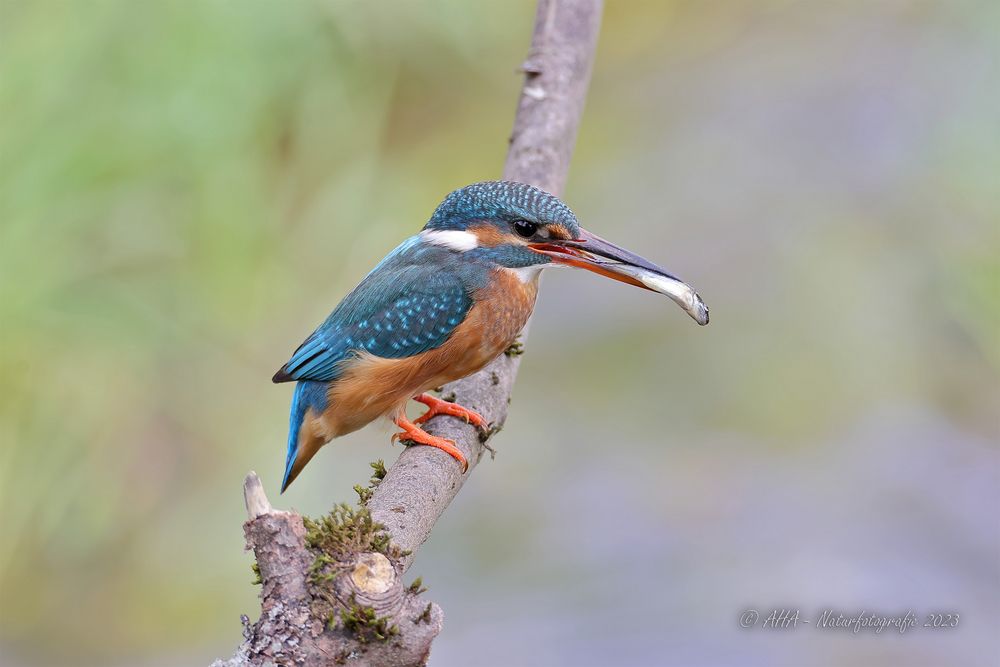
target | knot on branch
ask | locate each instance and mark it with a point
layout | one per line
(374, 584)
(355, 578)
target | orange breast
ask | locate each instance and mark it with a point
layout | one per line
(374, 386)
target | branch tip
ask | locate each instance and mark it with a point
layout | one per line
(254, 497)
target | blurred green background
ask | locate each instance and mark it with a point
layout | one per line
(187, 189)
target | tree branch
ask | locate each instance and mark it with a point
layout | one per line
(348, 605)
(423, 481)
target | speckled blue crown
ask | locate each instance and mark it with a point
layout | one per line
(503, 200)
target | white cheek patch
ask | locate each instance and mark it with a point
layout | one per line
(454, 239)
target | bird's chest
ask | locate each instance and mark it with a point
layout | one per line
(500, 311)
(374, 385)
(503, 308)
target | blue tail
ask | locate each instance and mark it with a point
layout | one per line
(307, 395)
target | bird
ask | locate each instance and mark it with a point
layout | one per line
(441, 306)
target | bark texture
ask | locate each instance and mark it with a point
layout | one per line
(352, 607)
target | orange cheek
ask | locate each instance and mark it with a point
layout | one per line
(558, 232)
(489, 236)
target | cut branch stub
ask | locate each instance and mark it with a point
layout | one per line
(278, 542)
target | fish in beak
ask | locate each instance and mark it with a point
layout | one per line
(593, 253)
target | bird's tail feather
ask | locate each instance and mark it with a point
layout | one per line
(307, 395)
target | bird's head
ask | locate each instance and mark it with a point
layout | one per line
(525, 229)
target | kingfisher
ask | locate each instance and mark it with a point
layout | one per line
(441, 306)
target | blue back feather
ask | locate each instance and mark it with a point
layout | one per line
(408, 304)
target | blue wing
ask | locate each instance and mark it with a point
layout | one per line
(407, 305)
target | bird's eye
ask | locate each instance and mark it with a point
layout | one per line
(525, 228)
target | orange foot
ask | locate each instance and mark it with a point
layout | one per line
(438, 407)
(421, 437)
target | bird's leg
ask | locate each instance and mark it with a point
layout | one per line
(413, 432)
(438, 407)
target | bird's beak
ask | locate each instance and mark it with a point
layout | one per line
(593, 253)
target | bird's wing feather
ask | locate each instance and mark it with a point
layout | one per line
(406, 306)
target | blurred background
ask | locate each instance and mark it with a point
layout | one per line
(188, 188)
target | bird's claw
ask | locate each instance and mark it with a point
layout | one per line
(436, 406)
(415, 435)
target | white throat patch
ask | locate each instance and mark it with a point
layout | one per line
(454, 239)
(526, 274)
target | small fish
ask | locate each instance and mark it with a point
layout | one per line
(679, 291)
(592, 252)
